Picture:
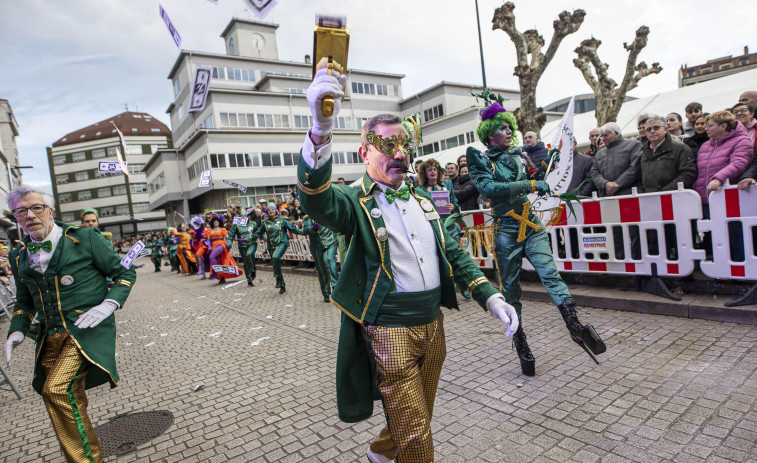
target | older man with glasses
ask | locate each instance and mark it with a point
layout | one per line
(60, 275)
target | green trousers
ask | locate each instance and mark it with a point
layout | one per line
(325, 267)
(248, 257)
(276, 255)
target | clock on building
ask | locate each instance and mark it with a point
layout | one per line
(257, 41)
(231, 45)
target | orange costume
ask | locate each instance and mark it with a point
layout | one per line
(219, 253)
(184, 251)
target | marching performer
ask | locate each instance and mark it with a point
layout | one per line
(157, 251)
(323, 246)
(400, 268)
(500, 174)
(199, 244)
(247, 245)
(184, 251)
(219, 253)
(275, 228)
(60, 273)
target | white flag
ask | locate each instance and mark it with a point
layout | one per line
(241, 221)
(200, 88)
(205, 178)
(133, 254)
(239, 187)
(174, 33)
(118, 153)
(260, 8)
(559, 179)
(110, 166)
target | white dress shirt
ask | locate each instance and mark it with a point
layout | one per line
(40, 259)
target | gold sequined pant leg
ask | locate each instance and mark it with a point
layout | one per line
(408, 363)
(65, 399)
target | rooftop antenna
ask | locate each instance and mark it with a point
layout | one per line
(137, 107)
(126, 107)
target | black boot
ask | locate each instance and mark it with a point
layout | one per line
(527, 360)
(250, 283)
(278, 282)
(326, 298)
(283, 289)
(584, 336)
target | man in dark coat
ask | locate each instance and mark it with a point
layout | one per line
(535, 149)
(616, 165)
(664, 161)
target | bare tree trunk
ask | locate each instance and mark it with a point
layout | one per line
(607, 93)
(530, 42)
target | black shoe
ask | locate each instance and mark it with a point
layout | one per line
(584, 336)
(283, 289)
(278, 282)
(527, 360)
(326, 298)
(250, 283)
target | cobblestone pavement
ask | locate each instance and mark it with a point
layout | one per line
(668, 389)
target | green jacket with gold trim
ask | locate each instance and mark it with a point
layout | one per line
(276, 230)
(73, 283)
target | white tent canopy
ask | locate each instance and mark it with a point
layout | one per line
(714, 95)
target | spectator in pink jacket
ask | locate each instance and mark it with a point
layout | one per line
(724, 156)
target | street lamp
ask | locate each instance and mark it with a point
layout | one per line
(10, 188)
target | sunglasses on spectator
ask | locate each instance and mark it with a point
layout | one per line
(740, 111)
(654, 128)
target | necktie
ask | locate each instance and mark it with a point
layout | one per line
(391, 195)
(46, 246)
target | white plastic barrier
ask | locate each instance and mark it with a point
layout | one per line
(730, 205)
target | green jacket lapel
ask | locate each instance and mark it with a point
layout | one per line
(367, 204)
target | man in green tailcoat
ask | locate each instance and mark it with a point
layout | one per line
(247, 245)
(157, 251)
(323, 246)
(401, 266)
(60, 275)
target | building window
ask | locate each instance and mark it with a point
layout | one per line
(98, 154)
(280, 120)
(58, 160)
(157, 183)
(743, 61)
(64, 198)
(103, 192)
(61, 179)
(265, 120)
(133, 149)
(81, 176)
(176, 86)
(136, 167)
(725, 67)
(343, 123)
(154, 148)
(291, 159)
(218, 161)
(271, 159)
(68, 217)
(303, 122)
(107, 211)
(112, 151)
(208, 124)
(141, 207)
(85, 195)
(433, 113)
(119, 190)
(122, 209)
(349, 157)
(180, 112)
(99, 174)
(255, 157)
(240, 160)
(138, 187)
(80, 156)
(197, 167)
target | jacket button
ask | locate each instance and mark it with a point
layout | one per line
(359, 282)
(360, 302)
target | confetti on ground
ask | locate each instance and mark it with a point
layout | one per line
(176, 300)
(142, 337)
(302, 327)
(116, 354)
(128, 344)
(201, 317)
(239, 294)
(217, 302)
(174, 319)
(165, 316)
(269, 317)
(123, 334)
(200, 297)
(123, 321)
(216, 335)
(198, 387)
(236, 300)
(150, 344)
(261, 289)
(256, 328)
(163, 335)
(289, 305)
(255, 343)
(232, 284)
(520, 385)
(188, 308)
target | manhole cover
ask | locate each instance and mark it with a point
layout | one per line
(127, 432)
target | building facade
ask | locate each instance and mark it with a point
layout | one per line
(121, 200)
(715, 68)
(256, 118)
(10, 175)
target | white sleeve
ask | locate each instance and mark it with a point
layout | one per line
(316, 155)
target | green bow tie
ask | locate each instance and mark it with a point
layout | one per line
(391, 195)
(46, 246)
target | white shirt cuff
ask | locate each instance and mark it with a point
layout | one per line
(118, 306)
(491, 300)
(316, 156)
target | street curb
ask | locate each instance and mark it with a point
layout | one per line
(695, 306)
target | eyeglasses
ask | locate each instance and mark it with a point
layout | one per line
(654, 128)
(740, 111)
(22, 212)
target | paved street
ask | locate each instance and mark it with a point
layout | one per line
(668, 389)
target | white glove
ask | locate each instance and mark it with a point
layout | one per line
(497, 306)
(14, 339)
(325, 85)
(96, 314)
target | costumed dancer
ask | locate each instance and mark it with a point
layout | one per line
(199, 244)
(171, 243)
(324, 246)
(157, 251)
(219, 253)
(60, 273)
(247, 245)
(501, 175)
(400, 268)
(275, 228)
(184, 251)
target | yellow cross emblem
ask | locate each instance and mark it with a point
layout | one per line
(523, 219)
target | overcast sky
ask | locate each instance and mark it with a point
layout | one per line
(65, 65)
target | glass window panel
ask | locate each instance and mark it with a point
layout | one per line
(98, 154)
(233, 120)
(269, 120)
(85, 195)
(103, 192)
(251, 120)
(237, 74)
(224, 119)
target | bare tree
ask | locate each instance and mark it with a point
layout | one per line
(608, 95)
(530, 42)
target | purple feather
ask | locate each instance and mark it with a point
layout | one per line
(491, 111)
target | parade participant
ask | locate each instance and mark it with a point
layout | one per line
(431, 178)
(397, 273)
(500, 174)
(157, 251)
(199, 245)
(219, 251)
(90, 218)
(323, 247)
(244, 243)
(275, 228)
(60, 274)
(171, 243)
(184, 251)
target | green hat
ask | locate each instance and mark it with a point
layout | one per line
(90, 211)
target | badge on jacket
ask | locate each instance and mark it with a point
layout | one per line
(382, 234)
(427, 206)
(66, 280)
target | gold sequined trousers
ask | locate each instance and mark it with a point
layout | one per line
(66, 402)
(408, 362)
